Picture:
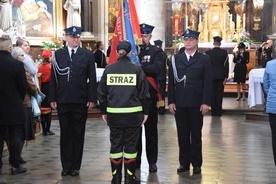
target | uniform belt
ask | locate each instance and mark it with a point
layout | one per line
(124, 109)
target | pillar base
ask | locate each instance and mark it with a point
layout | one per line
(86, 33)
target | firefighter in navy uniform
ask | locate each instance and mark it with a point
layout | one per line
(72, 90)
(152, 63)
(189, 98)
(123, 93)
(220, 68)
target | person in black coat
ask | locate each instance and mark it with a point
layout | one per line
(13, 86)
(265, 51)
(162, 77)
(220, 68)
(152, 62)
(72, 91)
(189, 98)
(99, 56)
(241, 58)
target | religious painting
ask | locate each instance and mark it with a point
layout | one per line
(113, 7)
(35, 19)
(215, 16)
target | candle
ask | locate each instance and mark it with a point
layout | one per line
(238, 22)
(186, 22)
(199, 19)
(231, 22)
(243, 21)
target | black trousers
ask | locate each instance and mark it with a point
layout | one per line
(217, 96)
(1, 149)
(162, 85)
(189, 122)
(15, 135)
(124, 139)
(272, 122)
(151, 134)
(72, 120)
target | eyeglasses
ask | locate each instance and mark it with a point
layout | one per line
(189, 38)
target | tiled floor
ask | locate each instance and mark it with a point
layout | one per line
(235, 151)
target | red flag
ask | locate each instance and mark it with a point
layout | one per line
(118, 36)
(135, 22)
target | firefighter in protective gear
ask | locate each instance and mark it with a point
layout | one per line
(123, 93)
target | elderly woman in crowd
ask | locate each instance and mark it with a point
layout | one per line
(28, 133)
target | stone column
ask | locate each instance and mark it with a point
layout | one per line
(85, 18)
(153, 12)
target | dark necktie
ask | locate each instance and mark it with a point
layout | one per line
(190, 57)
(72, 54)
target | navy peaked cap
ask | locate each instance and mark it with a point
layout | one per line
(74, 30)
(146, 29)
(158, 42)
(217, 39)
(191, 33)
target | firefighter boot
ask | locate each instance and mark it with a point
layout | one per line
(130, 177)
(116, 169)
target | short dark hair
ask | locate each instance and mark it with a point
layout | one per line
(98, 44)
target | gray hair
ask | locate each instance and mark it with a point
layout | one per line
(5, 43)
(17, 51)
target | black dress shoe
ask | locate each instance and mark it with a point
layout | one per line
(152, 168)
(238, 99)
(21, 161)
(50, 133)
(182, 169)
(197, 170)
(65, 172)
(74, 172)
(18, 170)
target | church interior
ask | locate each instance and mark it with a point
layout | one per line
(252, 22)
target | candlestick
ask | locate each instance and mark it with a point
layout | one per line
(205, 21)
(230, 21)
(243, 21)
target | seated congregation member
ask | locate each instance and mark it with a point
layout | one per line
(45, 70)
(28, 132)
(124, 107)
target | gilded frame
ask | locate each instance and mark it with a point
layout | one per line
(34, 27)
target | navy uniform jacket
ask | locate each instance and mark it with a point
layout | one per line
(79, 86)
(162, 75)
(155, 64)
(219, 62)
(13, 87)
(196, 90)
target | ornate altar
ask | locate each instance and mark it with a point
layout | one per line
(216, 21)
